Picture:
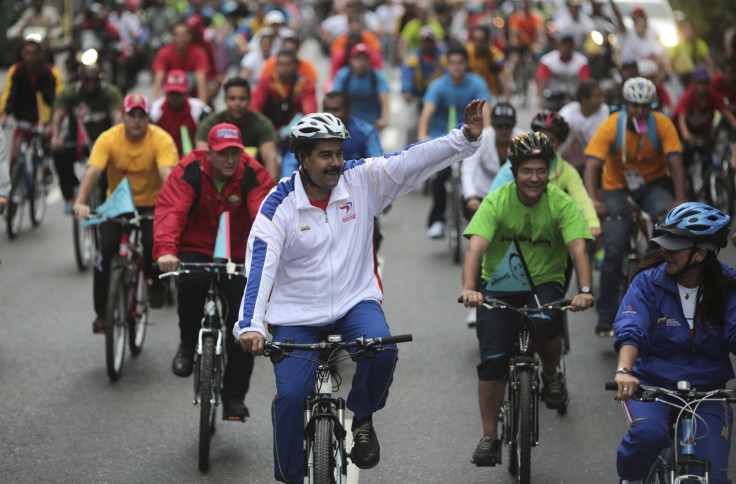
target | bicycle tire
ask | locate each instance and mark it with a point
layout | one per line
(14, 213)
(138, 321)
(83, 245)
(525, 428)
(718, 193)
(324, 463)
(206, 410)
(115, 324)
(456, 233)
(38, 195)
(696, 178)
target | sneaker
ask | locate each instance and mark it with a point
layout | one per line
(436, 230)
(158, 295)
(554, 391)
(366, 452)
(98, 325)
(233, 408)
(604, 329)
(470, 319)
(183, 363)
(488, 452)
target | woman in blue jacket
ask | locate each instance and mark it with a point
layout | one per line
(677, 322)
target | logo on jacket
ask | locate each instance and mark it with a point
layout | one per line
(665, 321)
(348, 207)
(233, 199)
(304, 228)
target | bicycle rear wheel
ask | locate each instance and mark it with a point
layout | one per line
(138, 321)
(206, 409)
(525, 427)
(324, 462)
(38, 195)
(115, 323)
(14, 213)
(718, 192)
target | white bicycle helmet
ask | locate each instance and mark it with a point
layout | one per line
(639, 90)
(319, 126)
(647, 68)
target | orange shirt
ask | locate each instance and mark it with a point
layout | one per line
(489, 71)
(368, 38)
(305, 69)
(526, 26)
(639, 151)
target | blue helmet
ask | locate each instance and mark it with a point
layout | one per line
(699, 224)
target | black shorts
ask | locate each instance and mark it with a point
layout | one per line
(497, 328)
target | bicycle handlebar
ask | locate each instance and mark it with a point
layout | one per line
(493, 303)
(231, 268)
(362, 342)
(647, 393)
(121, 220)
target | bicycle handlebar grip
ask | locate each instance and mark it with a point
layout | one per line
(612, 386)
(401, 338)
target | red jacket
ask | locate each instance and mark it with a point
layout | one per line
(189, 208)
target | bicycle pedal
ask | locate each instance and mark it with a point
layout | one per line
(235, 419)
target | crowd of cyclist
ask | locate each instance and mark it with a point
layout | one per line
(611, 125)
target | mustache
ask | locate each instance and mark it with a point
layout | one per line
(333, 170)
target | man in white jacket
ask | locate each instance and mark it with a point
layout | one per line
(310, 264)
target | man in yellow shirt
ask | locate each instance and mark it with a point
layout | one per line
(144, 154)
(639, 150)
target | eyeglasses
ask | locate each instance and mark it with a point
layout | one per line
(540, 172)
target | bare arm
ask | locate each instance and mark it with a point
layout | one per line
(200, 78)
(678, 180)
(116, 117)
(619, 18)
(471, 268)
(428, 111)
(576, 249)
(682, 126)
(164, 172)
(627, 383)
(200, 145)
(592, 172)
(56, 120)
(158, 80)
(269, 155)
(81, 209)
(729, 117)
(383, 120)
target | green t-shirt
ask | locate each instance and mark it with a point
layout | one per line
(255, 128)
(93, 110)
(542, 230)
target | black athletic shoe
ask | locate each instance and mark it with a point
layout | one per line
(233, 408)
(366, 452)
(487, 453)
(183, 363)
(604, 330)
(554, 391)
(158, 295)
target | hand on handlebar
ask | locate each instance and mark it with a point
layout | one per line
(252, 342)
(581, 302)
(627, 385)
(471, 298)
(168, 262)
(81, 210)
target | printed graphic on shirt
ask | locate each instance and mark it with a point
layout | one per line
(348, 213)
(510, 275)
(304, 228)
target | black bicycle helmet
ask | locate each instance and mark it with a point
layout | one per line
(551, 121)
(530, 146)
(694, 225)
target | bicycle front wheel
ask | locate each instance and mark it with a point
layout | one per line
(138, 321)
(324, 462)
(83, 244)
(14, 212)
(115, 324)
(525, 427)
(206, 409)
(38, 196)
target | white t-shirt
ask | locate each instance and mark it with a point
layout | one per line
(253, 61)
(640, 48)
(579, 123)
(688, 296)
(579, 29)
(478, 171)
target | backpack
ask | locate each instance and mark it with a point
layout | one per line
(651, 132)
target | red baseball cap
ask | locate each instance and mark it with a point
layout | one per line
(224, 135)
(132, 101)
(176, 81)
(360, 48)
(638, 11)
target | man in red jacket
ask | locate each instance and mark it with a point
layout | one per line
(203, 185)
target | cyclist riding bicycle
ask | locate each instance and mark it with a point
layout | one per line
(310, 263)
(145, 154)
(677, 322)
(204, 185)
(30, 90)
(95, 105)
(522, 232)
(638, 149)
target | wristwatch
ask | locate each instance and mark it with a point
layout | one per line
(586, 290)
(623, 370)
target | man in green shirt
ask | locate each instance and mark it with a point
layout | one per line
(91, 103)
(259, 135)
(526, 222)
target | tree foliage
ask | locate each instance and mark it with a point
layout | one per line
(711, 19)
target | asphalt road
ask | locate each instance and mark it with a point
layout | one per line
(63, 421)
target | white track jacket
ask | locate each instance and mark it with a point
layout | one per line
(309, 267)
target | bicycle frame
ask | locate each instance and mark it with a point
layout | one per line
(130, 256)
